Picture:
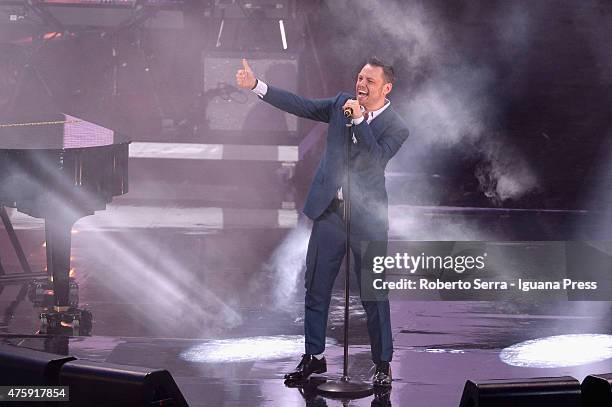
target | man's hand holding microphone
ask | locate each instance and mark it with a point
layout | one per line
(352, 109)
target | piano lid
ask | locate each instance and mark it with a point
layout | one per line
(55, 132)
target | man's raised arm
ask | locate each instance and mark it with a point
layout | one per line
(314, 109)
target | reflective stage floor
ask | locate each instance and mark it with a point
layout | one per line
(220, 306)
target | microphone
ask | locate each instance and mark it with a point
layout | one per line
(348, 112)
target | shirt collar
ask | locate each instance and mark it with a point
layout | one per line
(375, 113)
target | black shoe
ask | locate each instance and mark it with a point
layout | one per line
(308, 365)
(382, 376)
(382, 397)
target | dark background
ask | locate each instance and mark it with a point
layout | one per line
(508, 101)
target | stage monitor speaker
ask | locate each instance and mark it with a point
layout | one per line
(27, 367)
(95, 384)
(230, 109)
(536, 392)
(597, 390)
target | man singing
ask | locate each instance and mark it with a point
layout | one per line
(377, 133)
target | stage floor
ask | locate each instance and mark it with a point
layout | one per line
(222, 309)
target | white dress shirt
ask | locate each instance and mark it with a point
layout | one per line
(260, 88)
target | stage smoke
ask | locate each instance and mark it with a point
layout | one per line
(286, 266)
(447, 99)
(504, 174)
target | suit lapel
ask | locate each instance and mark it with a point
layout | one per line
(380, 122)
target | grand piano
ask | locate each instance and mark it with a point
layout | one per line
(60, 168)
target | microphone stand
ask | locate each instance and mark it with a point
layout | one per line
(345, 388)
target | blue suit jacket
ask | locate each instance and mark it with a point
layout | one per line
(376, 143)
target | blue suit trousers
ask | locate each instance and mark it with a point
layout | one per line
(326, 250)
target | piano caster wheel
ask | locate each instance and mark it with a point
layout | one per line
(85, 322)
(44, 324)
(76, 325)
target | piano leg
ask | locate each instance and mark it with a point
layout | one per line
(58, 236)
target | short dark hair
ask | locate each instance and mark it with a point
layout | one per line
(388, 72)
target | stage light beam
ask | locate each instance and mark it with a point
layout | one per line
(282, 31)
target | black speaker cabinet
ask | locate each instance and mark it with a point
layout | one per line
(537, 392)
(27, 367)
(105, 384)
(231, 111)
(597, 390)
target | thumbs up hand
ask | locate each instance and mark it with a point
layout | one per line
(245, 78)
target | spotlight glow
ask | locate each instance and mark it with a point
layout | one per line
(249, 349)
(559, 351)
(452, 351)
